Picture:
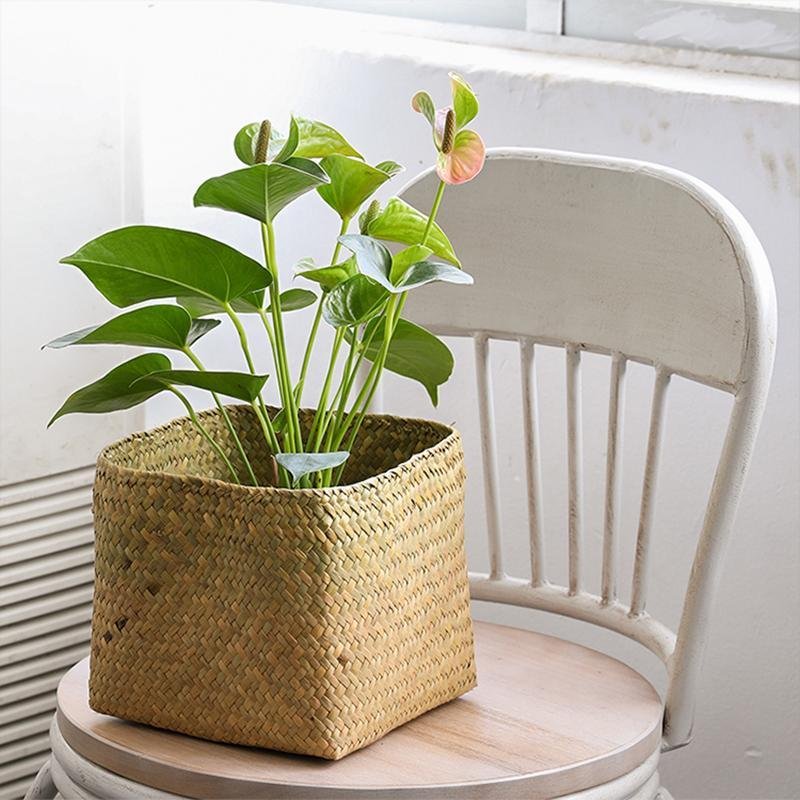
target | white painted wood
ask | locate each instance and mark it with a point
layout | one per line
(616, 405)
(574, 465)
(530, 422)
(654, 439)
(75, 776)
(42, 787)
(641, 263)
(491, 479)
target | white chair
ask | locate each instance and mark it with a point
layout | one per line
(631, 260)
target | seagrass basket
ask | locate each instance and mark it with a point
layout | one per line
(309, 621)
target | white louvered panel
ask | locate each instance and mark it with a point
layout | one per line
(46, 575)
(48, 585)
(47, 603)
(25, 709)
(26, 687)
(17, 776)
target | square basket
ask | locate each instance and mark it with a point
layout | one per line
(311, 620)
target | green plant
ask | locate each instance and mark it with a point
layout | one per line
(362, 290)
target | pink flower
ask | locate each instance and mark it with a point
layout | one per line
(461, 151)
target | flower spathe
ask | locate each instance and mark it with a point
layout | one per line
(461, 152)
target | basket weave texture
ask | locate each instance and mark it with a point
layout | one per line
(310, 621)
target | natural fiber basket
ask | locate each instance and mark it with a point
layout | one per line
(310, 621)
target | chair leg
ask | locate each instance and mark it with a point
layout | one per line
(42, 787)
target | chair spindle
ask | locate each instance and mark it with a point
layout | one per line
(489, 453)
(642, 557)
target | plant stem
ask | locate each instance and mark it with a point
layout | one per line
(272, 440)
(326, 387)
(228, 423)
(434, 210)
(317, 318)
(294, 435)
(204, 432)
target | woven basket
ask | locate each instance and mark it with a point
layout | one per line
(310, 621)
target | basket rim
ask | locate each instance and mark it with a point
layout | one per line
(451, 437)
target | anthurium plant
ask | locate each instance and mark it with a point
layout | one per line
(360, 291)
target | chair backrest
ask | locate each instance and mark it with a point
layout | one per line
(641, 263)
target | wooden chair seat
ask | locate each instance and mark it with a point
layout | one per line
(548, 717)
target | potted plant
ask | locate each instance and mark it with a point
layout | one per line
(285, 577)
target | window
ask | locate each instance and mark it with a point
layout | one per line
(765, 29)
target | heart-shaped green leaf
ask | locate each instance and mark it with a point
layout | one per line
(295, 299)
(422, 103)
(353, 302)
(317, 140)
(424, 272)
(145, 262)
(326, 277)
(263, 190)
(298, 465)
(400, 222)
(391, 168)
(117, 390)
(373, 258)
(413, 353)
(351, 183)
(169, 327)
(239, 385)
(465, 104)
(405, 258)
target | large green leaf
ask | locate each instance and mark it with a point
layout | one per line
(373, 258)
(353, 302)
(318, 140)
(402, 260)
(124, 387)
(261, 191)
(295, 299)
(352, 182)
(301, 464)
(414, 353)
(144, 262)
(375, 261)
(400, 222)
(239, 385)
(170, 327)
(424, 272)
(326, 277)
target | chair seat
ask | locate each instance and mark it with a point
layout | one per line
(547, 714)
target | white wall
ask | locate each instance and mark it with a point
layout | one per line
(207, 68)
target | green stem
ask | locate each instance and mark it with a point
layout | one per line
(317, 318)
(272, 440)
(437, 200)
(315, 432)
(206, 435)
(226, 417)
(294, 436)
